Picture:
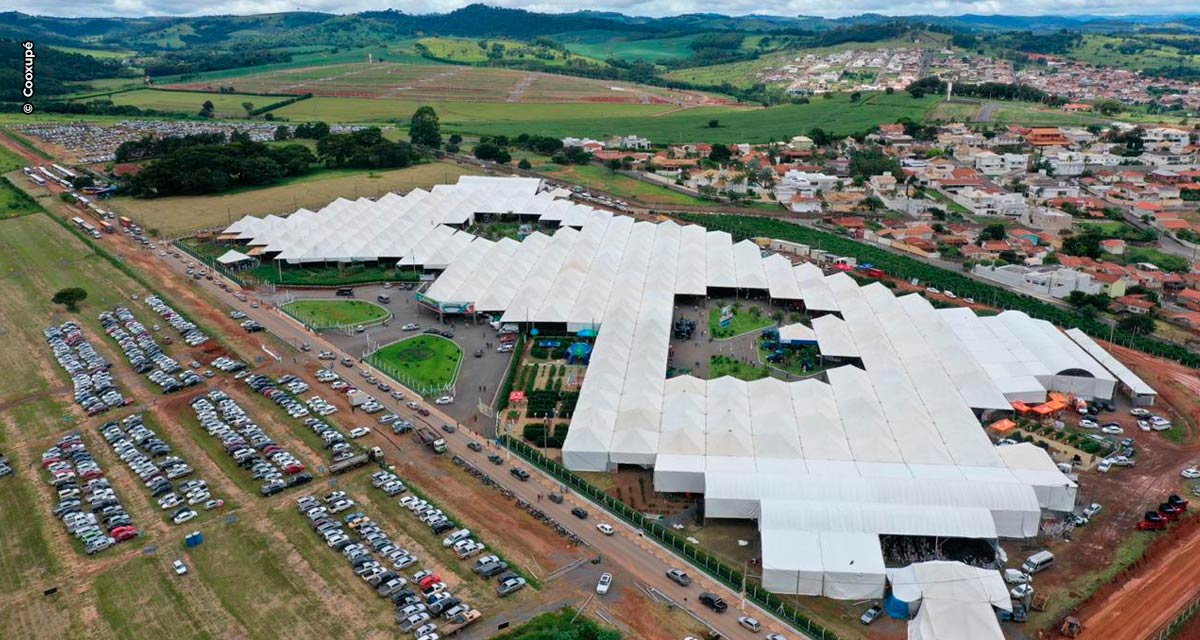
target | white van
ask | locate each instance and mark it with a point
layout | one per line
(383, 298)
(1038, 562)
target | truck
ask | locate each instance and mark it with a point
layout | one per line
(458, 622)
(342, 466)
(125, 222)
(429, 438)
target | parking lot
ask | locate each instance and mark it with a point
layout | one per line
(478, 377)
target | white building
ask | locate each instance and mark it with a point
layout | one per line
(993, 164)
(802, 183)
(1053, 281)
(1066, 163)
(1166, 139)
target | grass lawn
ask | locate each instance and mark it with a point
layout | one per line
(837, 116)
(596, 177)
(325, 314)
(559, 624)
(37, 258)
(1164, 261)
(13, 202)
(144, 599)
(725, 366)
(603, 44)
(744, 321)
(257, 583)
(1063, 599)
(425, 363)
(26, 553)
(180, 215)
(796, 361)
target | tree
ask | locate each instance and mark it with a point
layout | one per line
(455, 138)
(248, 106)
(206, 109)
(612, 164)
(855, 96)
(720, 153)
(70, 298)
(492, 152)
(1137, 324)
(713, 124)
(524, 164)
(82, 181)
(993, 232)
(282, 132)
(873, 162)
(424, 129)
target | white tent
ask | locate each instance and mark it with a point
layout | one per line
(233, 257)
(957, 601)
(797, 333)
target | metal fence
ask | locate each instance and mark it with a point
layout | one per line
(1179, 622)
(399, 376)
(698, 557)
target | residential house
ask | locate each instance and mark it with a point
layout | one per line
(803, 183)
(884, 183)
(1189, 298)
(993, 164)
(1046, 137)
(587, 144)
(1114, 246)
(991, 201)
(1050, 188)
(1166, 139)
(634, 142)
(1065, 163)
(1136, 304)
(1046, 219)
(1057, 282)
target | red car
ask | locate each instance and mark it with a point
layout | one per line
(121, 534)
(423, 411)
(428, 580)
(1151, 525)
(293, 468)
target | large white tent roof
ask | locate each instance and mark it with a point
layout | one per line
(883, 442)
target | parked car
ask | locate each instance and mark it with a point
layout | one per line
(510, 585)
(180, 568)
(604, 583)
(870, 615)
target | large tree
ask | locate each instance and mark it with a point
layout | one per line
(424, 128)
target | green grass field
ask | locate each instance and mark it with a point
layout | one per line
(837, 115)
(601, 45)
(744, 321)
(458, 115)
(425, 361)
(323, 314)
(1104, 50)
(226, 105)
(468, 51)
(13, 202)
(111, 54)
(594, 177)
(144, 599)
(719, 366)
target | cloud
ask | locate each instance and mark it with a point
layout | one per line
(128, 8)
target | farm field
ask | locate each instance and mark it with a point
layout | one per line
(13, 201)
(447, 83)
(427, 361)
(594, 177)
(837, 115)
(470, 51)
(459, 115)
(611, 44)
(225, 105)
(332, 313)
(1104, 50)
(173, 217)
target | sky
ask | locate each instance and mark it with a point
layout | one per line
(826, 8)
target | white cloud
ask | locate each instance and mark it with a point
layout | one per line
(128, 8)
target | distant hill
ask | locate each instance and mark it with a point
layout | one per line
(152, 34)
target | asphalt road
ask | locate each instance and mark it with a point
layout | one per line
(629, 556)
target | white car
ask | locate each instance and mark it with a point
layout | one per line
(1113, 430)
(606, 529)
(412, 326)
(505, 348)
(180, 567)
(444, 400)
(950, 294)
(1144, 425)
(1191, 473)
(1016, 576)
(932, 290)
(604, 583)
(1092, 509)
(1089, 424)
(359, 432)
(1107, 464)
(1139, 412)
(1020, 591)
(412, 405)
